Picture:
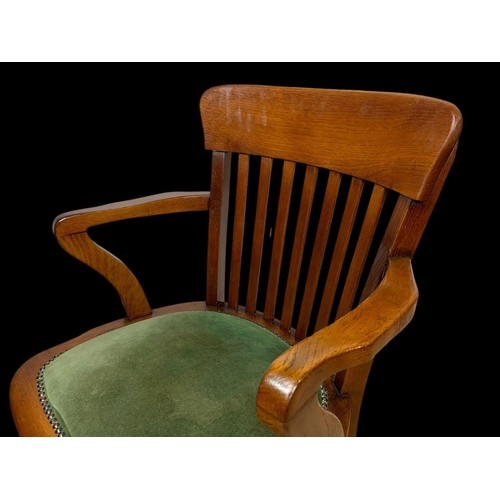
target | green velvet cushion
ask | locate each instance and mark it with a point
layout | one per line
(183, 374)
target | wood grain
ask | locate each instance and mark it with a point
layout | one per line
(71, 229)
(258, 234)
(399, 141)
(295, 376)
(221, 162)
(79, 221)
(299, 242)
(318, 253)
(341, 244)
(279, 239)
(362, 248)
(238, 230)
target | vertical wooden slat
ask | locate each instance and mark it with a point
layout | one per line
(361, 252)
(394, 228)
(298, 246)
(405, 228)
(258, 235)
(279, 238)
(318, 253)
(239, 226)
(339, 252)
(217, 226)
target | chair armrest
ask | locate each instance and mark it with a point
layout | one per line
(287, 401)
(71, 231)
(79, 221)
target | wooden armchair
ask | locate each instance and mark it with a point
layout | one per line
(318, 201)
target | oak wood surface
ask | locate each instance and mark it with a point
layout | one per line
(279, 239)
(71, 229)
(362, 248)
(341, 244)
(295, 376)
(399, 141)
(298, 246)
(238, 231)
(220, 164)
(318, 253)
(258, 235)
(78, 221)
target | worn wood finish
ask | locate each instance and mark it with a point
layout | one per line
(238, 231)
(258, 235)
(221, 163)
(279, 239)
(341, 244)
(318, 253)
(298, 246)
(295, 376)
(399, 141)
(71, 229)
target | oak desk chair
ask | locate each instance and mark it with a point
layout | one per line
(318, 201)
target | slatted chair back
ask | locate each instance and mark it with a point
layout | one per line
(312, 191)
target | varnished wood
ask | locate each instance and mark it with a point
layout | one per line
(71, 229)
(258, 235)
(221, 163)
(399, 141)
(361, 252)
(318, 254)
(224, 216)
(401, 238)
(279, 238)
(298, 245)
(340, 405)
(353, 384)
(341, 244)
(406, 227)
(238, 231)
(113, 269)
(79, 221)
(295, 376)
(309, 421)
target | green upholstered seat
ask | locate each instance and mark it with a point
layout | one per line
(182, 374)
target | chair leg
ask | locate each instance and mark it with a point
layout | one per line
(353, 384)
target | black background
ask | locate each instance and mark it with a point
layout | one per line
(81, 138)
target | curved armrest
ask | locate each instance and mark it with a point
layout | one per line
(71, 229)
(286, 400)
(79, 221)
